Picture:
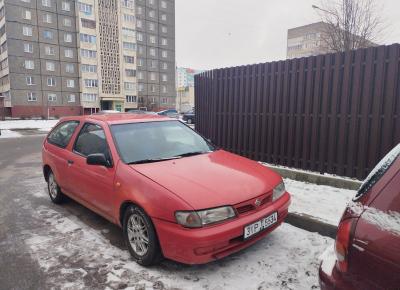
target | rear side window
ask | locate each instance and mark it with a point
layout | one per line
(61, 135)
(91, 140)
(379, 170)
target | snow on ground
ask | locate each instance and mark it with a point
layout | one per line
(74, 255)
(43, 125)
(9, 134)
(322, 202)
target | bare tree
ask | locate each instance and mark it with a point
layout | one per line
(350, 24)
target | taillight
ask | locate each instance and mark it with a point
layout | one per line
(342, 243)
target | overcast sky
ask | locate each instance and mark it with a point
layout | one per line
(221, 33)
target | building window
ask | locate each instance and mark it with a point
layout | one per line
(52, 97)
(88, 23)
(128, 4)
(88, 38)
(153, 88)
(152, 51)
(71, 98)
(48, 34)
(128, 32)
(50, 66)
(131, 99)
(129, 59)
(152, 39)
(164, 101)
(31, 97)
(27, 15)
(67, 37)
(29, 64)
(85, 8)
(68, 53)
(153, 64)
(49, 50)
(165, 65)
(130, 72)
(152, 13)
(139, 23)
(91, 83)
(139, 37)
(46, 3)
(89, 68)
(140, 88)
(69, 68)
(51, 81)
(151, 2)
(67, 22)
(164, 78)
(28, 47)
(139, 10)
(129, 86)
(30, 81)
(163, 89)
(89, 97)
(70, 83)
(153, 76)
(140, 75)
(164, 4)
(27, 31)
(140, 49)
(164, 54)
(88, 53)
(47, 18)
(164, 17)
(140, 62)
(152, 26)
(164, 29)
(66, 6)
(26, 1)
(129, 45)
(164, 41)
(129, 18)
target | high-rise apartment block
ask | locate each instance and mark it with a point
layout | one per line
(66, 57)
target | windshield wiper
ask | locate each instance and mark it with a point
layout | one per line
(192, 153)
(152, 160)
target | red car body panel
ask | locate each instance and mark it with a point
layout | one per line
(374, 254)
(192, 183)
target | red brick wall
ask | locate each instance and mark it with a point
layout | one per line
(39, 111)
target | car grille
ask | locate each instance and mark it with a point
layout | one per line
(250, 205)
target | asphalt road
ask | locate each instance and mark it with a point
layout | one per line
(47, 246)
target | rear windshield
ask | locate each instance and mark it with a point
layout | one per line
(379, 170)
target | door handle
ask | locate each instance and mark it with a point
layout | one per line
(70, 162)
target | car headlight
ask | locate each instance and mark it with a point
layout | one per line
(197, 219)
(278, 191)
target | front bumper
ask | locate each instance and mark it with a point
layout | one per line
(199, 246)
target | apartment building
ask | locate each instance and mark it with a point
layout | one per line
(185, 76)
(65, 57)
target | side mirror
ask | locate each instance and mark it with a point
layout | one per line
(97, 159)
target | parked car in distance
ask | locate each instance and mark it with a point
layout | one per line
(367, 248)
(188, 117)
(173, 193)
(171, 113)
(136, 111)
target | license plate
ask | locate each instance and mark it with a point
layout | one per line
(260, 225)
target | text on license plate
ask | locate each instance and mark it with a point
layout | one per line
(260, 225)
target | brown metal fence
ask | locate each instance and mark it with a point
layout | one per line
(334, 113)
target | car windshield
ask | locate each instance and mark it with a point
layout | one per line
(157, 141)
(379, 170)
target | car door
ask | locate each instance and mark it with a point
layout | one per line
(375, 255)
(56, 154)
(94, 184)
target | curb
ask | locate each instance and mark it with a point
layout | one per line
(310, 224)
(316, 178)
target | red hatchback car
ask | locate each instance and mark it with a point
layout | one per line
(173, 193)
(367, 248)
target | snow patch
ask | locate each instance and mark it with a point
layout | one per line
(328, 260)
(9, 134)
(28, 124)
(385, 220)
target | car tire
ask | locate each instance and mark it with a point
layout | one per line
(54, 190)
(137, 228)
(189, 121)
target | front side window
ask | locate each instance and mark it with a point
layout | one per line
(157, 141)
(91, 140)
(61, 135)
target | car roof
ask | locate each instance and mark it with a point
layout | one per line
(121, 118)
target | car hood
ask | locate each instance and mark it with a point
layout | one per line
(213, 179)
